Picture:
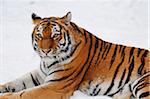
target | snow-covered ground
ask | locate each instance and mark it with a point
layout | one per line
(119, 21)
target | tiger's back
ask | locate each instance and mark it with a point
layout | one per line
(113, 68)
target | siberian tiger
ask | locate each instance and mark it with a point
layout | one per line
(74, 59)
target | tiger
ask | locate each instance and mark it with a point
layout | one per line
(74, 59)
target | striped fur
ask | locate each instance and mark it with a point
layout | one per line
(74, 59)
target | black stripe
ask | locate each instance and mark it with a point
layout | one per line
(54, 22)
(24, 85)
(111, 95)
(60, 26)
(36, 37)
(105, 49)
(120, 48)
(64, 43)
(131, 54)
(108, 50)
(142, 62)
(54, 63)
(22, 93)
(75, 27)
(65, 36)
(68, 84)
(36, 79)
(114, 56)
(104, 44)
(6, 90)
(130, 88)
(42, 70)
(131, 67)
(95, 48)
(62, 78)
(141, 80)
(141, 86)
(33, 80)
(97, 42)
(122, 77)
(69, 43)
(141, 66)
(35, 46)
(115, 75)
(32, 37)
(61, 70)
(85, 36)
(100, 50)
(139, 51)
(97, 92)
(101, 45)
(44, 64)
(75, 49)
(145, 94)
(145, 53)
(69, 38)
(94, 90)
(123, 51)
(98, 55)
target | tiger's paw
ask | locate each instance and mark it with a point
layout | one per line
(5, 95)
(3, 89)
(8, 87)
(9, 96)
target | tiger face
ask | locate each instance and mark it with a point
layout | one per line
(53, 37)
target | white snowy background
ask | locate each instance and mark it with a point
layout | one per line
(119, 21)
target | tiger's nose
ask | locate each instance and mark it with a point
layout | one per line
(46, 50)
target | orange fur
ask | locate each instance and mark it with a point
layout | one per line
(94, 60)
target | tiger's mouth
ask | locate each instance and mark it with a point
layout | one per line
(49, 53)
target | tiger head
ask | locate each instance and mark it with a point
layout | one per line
(55, 37)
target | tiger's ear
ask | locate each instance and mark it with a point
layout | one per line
(36, 19)
(67, 18)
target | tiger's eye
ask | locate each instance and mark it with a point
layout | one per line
(55, 30)
(39, 35)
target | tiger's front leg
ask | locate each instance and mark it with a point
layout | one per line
(40, 92)
(29, 80)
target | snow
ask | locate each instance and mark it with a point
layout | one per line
(119, 21)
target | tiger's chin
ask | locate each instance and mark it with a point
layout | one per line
(45, 57)
(48, 56)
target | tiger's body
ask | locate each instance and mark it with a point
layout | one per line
(74, 59)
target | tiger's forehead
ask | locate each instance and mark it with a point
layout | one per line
(46, 25)
(52, 21)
